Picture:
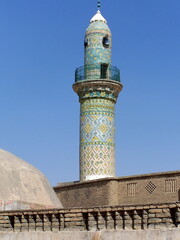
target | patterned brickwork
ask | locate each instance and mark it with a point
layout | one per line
(97, 138)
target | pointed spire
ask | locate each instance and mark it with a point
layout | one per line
(98, 18)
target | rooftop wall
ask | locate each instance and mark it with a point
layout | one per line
(140, 189)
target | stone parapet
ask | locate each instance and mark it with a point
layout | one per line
(140, 217)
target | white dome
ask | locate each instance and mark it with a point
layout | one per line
(22, 186)
(98, 17)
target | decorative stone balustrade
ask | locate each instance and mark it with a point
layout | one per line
(92, 219)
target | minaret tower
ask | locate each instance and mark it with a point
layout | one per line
(97, 84)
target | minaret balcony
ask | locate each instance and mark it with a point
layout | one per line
(102, 72)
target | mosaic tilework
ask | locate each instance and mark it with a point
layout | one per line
(95, 52)
(97, 138)
(97, 95)
(97, 160)
(103, 89)
(97, 27)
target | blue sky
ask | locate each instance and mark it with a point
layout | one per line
(41, 45)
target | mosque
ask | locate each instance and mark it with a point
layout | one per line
(99, 205)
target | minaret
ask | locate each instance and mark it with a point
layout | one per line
(97, 84)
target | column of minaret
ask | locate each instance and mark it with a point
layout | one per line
(97, 84)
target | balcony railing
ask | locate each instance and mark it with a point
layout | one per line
(88, 73)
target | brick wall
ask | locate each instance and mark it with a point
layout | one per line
(150, 188)
(140, 189)
(86, 194)
(159, 216)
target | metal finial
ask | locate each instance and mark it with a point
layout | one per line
(99, 4)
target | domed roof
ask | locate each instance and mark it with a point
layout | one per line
(22, 186)
(98, 24)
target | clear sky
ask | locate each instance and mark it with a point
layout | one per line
(41, 45)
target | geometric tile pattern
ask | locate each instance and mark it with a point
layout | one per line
(97, 153)
(97, 160)
(99, 130)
